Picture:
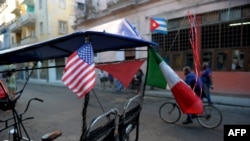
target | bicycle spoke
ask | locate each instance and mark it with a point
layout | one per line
(211, 118)
(169, 112)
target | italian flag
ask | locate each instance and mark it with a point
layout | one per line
(160, 74)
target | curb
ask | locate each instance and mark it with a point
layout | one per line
(243, 102)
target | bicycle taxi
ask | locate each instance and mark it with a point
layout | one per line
(112, 124)
(118, 123)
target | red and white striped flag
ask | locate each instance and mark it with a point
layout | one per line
(79, 72)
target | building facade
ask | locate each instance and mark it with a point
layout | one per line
(30, 21)
(222, 31)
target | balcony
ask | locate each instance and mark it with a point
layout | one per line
(28, 19)
(28, 2)
(14, 45)
(17, 8)
(114, 5)
(28, 40)
(15, 26)
(93, 12)
(3, 5)
(3, 28)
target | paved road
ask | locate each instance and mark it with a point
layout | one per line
(61, 109)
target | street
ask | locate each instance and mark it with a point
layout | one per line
(61, 110)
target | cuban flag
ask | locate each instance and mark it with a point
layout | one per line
(158, 25)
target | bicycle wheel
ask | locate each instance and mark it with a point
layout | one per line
(211, 118)
(170, 112)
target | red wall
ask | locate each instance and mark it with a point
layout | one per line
(232, 83)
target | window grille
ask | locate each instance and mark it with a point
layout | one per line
(210, 37)
(159, 38)
(172, 41)
(184, 40)
(246, 36)
(230, 36)
(246, 11)
(221, 32)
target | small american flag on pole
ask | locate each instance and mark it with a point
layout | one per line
(79, 72)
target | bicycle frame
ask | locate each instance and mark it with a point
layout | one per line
(173, 114)
(18, 127)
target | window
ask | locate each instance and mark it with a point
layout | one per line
(221, 60)
(30, 8)
(80, 9)
(158, 38)
(173, 24)
(171, 42)
(62, 4)
(231, 14)
(246, 11)
(12, 40)
(63, 27)
(238, 60)
(40, 4)
(248, 60)
(41, 28)
(210, 37)
(43, 72)
(130, 53)
(177, 61)
(80, 6)
(211, 17)
(59, 70)
(207, 57)
(246, 35)
(184, 39)
(39, 73)
(189, 60)
(230, 36)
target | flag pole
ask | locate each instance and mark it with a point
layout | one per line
(84, 113)
(146, 76)
(84, 110)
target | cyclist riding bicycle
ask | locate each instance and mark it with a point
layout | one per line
(196, 84)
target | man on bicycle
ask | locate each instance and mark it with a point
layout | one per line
(195, 83)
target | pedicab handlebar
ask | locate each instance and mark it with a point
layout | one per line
(27, 107)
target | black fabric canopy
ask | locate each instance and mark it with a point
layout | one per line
(64, 46)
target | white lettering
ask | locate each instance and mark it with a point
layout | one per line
(237, 131)
(243, 131)
(231, 132)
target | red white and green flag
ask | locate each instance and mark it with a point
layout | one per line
(160, 74)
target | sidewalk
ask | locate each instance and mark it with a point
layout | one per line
(226, 100)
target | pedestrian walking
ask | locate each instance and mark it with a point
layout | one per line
(103, 78)
(11, 81)
(111, 80)
(206, 77)
(138, 80)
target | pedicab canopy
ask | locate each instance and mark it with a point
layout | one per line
(108, 37)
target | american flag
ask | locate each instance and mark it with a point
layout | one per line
(79, 72)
